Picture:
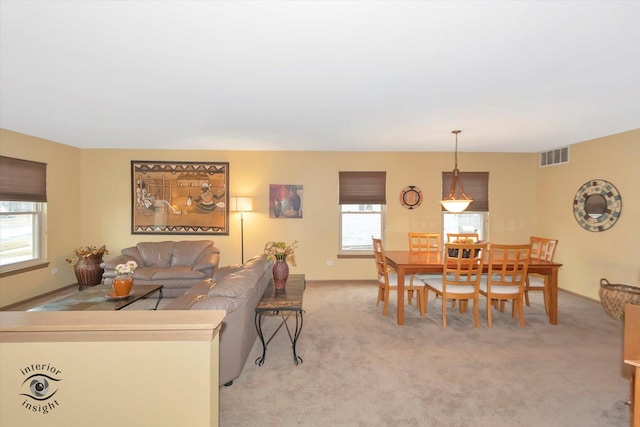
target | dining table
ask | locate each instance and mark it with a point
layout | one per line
(407, 262)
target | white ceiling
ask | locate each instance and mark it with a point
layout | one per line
(320, 75)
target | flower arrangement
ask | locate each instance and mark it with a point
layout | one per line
(87, 252)
(280, 250)
(127, 268)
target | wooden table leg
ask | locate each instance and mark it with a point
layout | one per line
(400, 272)
(553, 296)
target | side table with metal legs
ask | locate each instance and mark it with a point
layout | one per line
(293, 338)
(284, 303)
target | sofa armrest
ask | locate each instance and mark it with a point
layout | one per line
(222, 272)
(208, 260)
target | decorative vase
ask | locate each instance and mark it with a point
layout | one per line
(280, 272)
(277, 208)
(122, 285)
(295, 202)
(88, 271)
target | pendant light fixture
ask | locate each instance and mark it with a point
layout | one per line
(456, 201)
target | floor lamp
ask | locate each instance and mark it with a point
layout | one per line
(241, 204)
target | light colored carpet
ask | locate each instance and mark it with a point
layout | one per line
(362, 369)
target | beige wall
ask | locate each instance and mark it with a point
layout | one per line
(106, 206)
(63, 214)
(524, 200)
(587, 256)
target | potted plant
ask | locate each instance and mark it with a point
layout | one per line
(281, 253)
(86, 262)
(123, 282)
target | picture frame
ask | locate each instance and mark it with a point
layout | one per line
(285, 201)
(179, 197)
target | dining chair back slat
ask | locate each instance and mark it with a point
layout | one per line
(388, 280)
(424, 242)
(541, 249)
(460, 280)
(505, 278)
(452, 237)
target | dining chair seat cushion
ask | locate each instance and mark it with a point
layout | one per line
(504, 290)
(536, 281)
(393, 279)
(425, 277)
(435, 282)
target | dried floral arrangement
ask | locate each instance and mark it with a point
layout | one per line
(280, 250)
(87, 252)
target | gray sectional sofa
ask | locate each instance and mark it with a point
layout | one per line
(177, 265)
(236, 289)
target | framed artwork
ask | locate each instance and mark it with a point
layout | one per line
(179, 197)
(285, 201)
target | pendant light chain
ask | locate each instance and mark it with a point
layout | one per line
(451, 203)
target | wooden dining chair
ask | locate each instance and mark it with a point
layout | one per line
(505, 278)
(422, 243)
(541, 249)
(460, 279)
(388, 281)
(452, 237)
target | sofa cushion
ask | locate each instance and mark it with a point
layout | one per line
(188, 252)
(178, 272)
(155, 254)
(145, 273)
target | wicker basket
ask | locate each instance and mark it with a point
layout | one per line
(614, 297)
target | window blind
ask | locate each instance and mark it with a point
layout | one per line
(476, 186)
(22, 180)
(362, 188)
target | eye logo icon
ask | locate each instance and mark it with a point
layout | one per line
(40, 387)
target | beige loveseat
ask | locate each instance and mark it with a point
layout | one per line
(177, 265)
(237, 290)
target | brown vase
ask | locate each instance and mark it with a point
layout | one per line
(88, 271)
(280, 273)
(122, 285)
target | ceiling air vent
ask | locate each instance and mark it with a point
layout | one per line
(556, 156)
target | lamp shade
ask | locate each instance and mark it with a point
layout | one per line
(241, 204)
(455, 206)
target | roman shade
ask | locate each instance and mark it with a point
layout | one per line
(476, 186)
(362, 188)
(22, 180)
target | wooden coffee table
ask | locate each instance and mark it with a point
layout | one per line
(96, 298)
(278, 302)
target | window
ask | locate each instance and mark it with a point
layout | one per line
(362, 208)
(466, 222)
(476, 218)
(22, 213)
(358, 224)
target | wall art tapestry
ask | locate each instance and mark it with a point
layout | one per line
(285, 201)
(179, 197)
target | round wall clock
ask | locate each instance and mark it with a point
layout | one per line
(597, 205)
(411, 197)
